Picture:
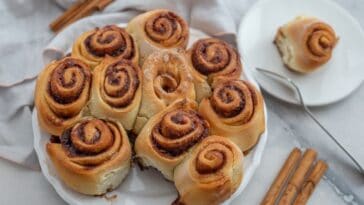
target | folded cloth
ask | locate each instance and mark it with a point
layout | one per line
(28, 31)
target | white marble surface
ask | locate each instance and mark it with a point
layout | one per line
(287, 125)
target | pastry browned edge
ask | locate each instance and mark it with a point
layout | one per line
(158, 29)
(166, 78)
(210, 173)
(167, 137)
(210, 59)
(93, 156)
(235, 110)
(305, 43)
(61, 94)
(106, 42)
(117, 91)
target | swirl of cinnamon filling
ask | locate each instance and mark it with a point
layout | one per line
(91, 142)
(320, 40)
(120, 82)
(178, 131)
(213, 157)
(110, 40)
(92, 156)
(68, 87)
(211, 173)
(106, 42)
(213, 56)
(167, 29)
(234, 99)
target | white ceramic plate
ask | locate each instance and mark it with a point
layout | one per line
(334, 81)
(140, 187)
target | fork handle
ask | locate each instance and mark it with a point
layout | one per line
(360, 168)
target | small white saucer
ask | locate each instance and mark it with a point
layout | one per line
(333, 81)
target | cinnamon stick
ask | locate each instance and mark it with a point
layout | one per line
(311, 182)
(295, 183)
(86, 10)
(67, 15)
(77, 11)
(282, 177)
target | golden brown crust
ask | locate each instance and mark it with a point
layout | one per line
(305, 43)
(209, 60)
(62, 91)
(166, 79)
(116, 91)
(107, 42)
(210, 174)
(235, 110)
(93, 156)
(158, 29)
(167, 136)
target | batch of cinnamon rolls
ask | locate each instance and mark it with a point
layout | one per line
(192, 116)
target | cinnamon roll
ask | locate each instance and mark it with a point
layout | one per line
(92, 157)
(62, 91)
(235, 110)
(117, 91)
(210, 59)
(166, 78)
(210, 174)
(107, 42)
(305, 43)
(158, 29)
(166, 138)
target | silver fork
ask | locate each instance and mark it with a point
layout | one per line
(296, 88)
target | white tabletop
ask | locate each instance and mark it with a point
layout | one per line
(287, 125)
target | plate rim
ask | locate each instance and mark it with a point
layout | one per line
(248, 174)
(294, 101)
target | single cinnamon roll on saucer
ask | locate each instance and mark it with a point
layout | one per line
(305, 43)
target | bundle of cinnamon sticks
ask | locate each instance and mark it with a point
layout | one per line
(77, 11)
(296, 180)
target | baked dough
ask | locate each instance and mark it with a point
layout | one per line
(158, 29)
(167, 137)
(116, 91)
(107, 42)
(61, 94)
(93, 156)
(235, 110)
(210, 174)
(166, 79)
(305, 43)
(209, 60)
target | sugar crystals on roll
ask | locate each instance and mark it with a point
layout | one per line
(158, 29)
